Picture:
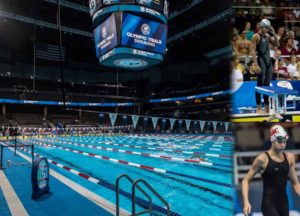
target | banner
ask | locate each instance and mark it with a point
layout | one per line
(50, 52)
(215, 125)
(172, 121)
(154, 121)
(113, 118)
(58, 103)
(192, 97)
(202, 123)
(188, 123)
(226, 126)
(135, 120)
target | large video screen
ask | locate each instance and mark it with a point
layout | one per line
(154, 4)
(143, 34)
(110, 2)
(166, 8)
(95, 5)
(157, 5)
(106, 36)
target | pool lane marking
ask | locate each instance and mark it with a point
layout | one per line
(98, 200)
(140, 201)
(203, 146)
(128, 195)
(142, 154)
(156, 149)
(160, 149)
(194, 162)
(195, 137)
(14, 203)
(186, 140)
(146, 167)
(215, 144)
(204, 164)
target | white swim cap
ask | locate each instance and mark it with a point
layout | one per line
(277, 131)
(265, 23)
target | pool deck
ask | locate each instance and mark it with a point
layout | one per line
(66, 197)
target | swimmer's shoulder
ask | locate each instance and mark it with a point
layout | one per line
(261, 159)
(290, 157)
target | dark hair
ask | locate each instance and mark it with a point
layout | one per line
(250, 63)
(234, 57)
(286, 39)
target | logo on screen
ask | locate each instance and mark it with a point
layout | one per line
(108, 1)
(103, 32)
(92, 4)
(145, 29)
(144, 1)
(43, 174)
(166, 8)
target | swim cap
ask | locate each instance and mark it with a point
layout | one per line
(277, 131)
(265, 23)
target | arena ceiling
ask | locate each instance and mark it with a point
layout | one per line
(191, 48)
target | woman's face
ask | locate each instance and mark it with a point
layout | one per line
(277, 53)
(280, 30)
(236, 62)
(264, 30)
(243, 35)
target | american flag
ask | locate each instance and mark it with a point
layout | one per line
(49, 52)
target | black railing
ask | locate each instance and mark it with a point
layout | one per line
(15, 146)
(133, 196)
(135, 185)
(118, 194)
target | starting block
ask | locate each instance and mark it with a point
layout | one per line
(277, 97)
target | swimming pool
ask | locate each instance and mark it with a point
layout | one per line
(191, 187)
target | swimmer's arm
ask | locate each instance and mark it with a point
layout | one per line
(254, 42)
(255, 168)
(235, 47)
(274, 40)
(293, 174)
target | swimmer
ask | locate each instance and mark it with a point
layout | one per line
(260, 52)
(197, 156)
(170, 145)
(275, 166)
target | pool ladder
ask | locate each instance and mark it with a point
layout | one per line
(133, 197)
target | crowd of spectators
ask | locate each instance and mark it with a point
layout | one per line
(284, 17)
(288, 10)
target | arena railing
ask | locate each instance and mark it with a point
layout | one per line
(14, 146)
(247, 58)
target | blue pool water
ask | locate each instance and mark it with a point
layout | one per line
(190, 189)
